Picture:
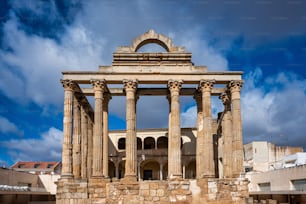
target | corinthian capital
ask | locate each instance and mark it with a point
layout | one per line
(235, 85)
(175, 85)
(224, 97)
(130, 84)
(98, 85)
(69, 85)
(206, 85)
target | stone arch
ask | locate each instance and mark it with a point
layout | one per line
(150, 170)
(121, 143)
(190, 171)
(162, 142)
(149, 143)
(152, 37)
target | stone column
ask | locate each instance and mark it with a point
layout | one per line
(227, 136)
(76, 151)
(174, 150)
(84, 142)
(200, 149)
(130, 87)
(106, 100)
(99, 87)
(90, 145)
(207, 169)
(235, 87)
(69, 87)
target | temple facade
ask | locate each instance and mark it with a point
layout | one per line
(173, 165)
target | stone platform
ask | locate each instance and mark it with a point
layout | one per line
(102, 191)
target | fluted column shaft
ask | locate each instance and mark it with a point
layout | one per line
(130, 87)
(200, 153)
(98, 86)
(76, 151)
(90, 146)
(235, 87)
(227, 136)
(107, 97)
(84, 142)
(69, 87)
(174, 149)
(206, 140)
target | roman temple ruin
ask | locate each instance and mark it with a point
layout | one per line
(173, 165)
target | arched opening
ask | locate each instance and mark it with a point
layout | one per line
(121, 143)
(111, 169)
(139, 144)
(121, 169)
(150, 170)
(152, 41)
(162, 142)
(151, 47)
(190, 171)
(149, 143)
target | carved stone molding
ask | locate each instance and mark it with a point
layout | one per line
(226, 100)
(98, 85)
(130, 85)
(235, 85)
(224, 97)
(206, 85)
(69, 85)
(175, 85)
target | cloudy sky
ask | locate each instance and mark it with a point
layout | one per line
(39, 39)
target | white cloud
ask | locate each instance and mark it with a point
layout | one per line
(189, 117)
(46, 148)
(274, 109)
(37, 62)
(7, 127)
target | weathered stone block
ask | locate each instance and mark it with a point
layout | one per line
(153, 185)
(152, 192)
(160, 192)
(145, 192)
(144, 186)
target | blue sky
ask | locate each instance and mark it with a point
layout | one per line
(39, 39)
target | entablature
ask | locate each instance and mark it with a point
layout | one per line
(152, 77)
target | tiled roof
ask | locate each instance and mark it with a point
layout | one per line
(35, 165)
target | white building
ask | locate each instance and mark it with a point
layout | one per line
(262, 156)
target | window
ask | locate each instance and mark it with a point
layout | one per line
(121, 143)
(49, 166)
(264, 186)
(299, 185)
(20, 165)
(162, 142)
(149, 143)
(36, 165)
